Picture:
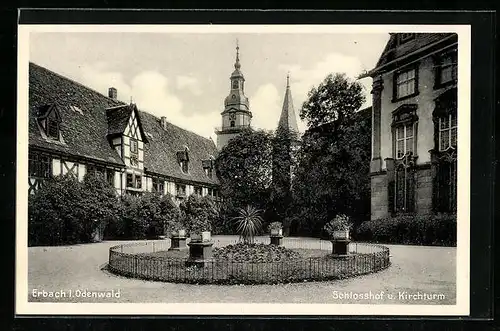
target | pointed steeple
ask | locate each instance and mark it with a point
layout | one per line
(288, 120)
(237, 64)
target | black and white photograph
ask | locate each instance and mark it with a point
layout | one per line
(233, 169)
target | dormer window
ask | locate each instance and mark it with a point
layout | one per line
(49, 120)
(183, 159)
(404, 37)
(53, 128)
(208, 166)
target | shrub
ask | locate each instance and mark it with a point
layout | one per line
(440, 229)
(149, 215)
(66, 211)
(135, 226)
(198, 213)
(171, 215)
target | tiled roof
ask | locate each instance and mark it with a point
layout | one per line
(118, 119)
(160, 154)
(288, 120)
(85, 135)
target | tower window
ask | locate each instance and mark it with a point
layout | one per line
(233, 124)
(235, 84)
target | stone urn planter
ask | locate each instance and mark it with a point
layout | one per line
(276, 233)
(178, 240)
(200, 249)
(341, 234)
(179, 233)
(338, 230)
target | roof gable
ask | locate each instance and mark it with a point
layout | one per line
(396, 49)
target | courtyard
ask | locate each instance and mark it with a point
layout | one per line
(415, 272)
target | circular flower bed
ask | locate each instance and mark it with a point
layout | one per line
(247, 264)
(255, 253)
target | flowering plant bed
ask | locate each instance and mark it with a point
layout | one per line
(249, 264)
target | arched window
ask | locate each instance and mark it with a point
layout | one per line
(404, 133)
(235, 84)
(404, 185)
(444, 154)
(233, 124)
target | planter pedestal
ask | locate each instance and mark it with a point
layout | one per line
(340, 248)
(200, 252)
(178, 244)
(276, 240)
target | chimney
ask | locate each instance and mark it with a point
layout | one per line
(163, 122)
(112, 93)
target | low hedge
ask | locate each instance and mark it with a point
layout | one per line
(439, 230)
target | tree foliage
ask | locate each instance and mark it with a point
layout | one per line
(333, 164)
(284, 145)
(199, 213)
(66, 211)
(334, 101)
(244, 169)
(148, 215)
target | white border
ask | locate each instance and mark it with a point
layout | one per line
(463, 189)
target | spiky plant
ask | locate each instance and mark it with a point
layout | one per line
(249, 223)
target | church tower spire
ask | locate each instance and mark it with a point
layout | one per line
(288, 120)
(236, 115)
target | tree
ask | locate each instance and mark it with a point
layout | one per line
(199, 213)
(244, 169)
(66, 211)
(333, 171)
(335, 100)
(171, 214)
(101, 205)
(284, 145)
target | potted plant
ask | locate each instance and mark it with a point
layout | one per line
(339, 227)
(178, 231)
(249, 223)
(200, 231)
(275, 229)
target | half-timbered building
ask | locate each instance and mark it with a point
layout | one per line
(74, 129)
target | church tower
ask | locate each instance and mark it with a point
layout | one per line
(236, 116)
(285, 145)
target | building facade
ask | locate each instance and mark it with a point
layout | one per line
(76, 130)
(414, 126)
(236, 115)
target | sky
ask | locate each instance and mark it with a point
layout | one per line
(185, 76)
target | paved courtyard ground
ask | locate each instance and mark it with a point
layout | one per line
(414, 269)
